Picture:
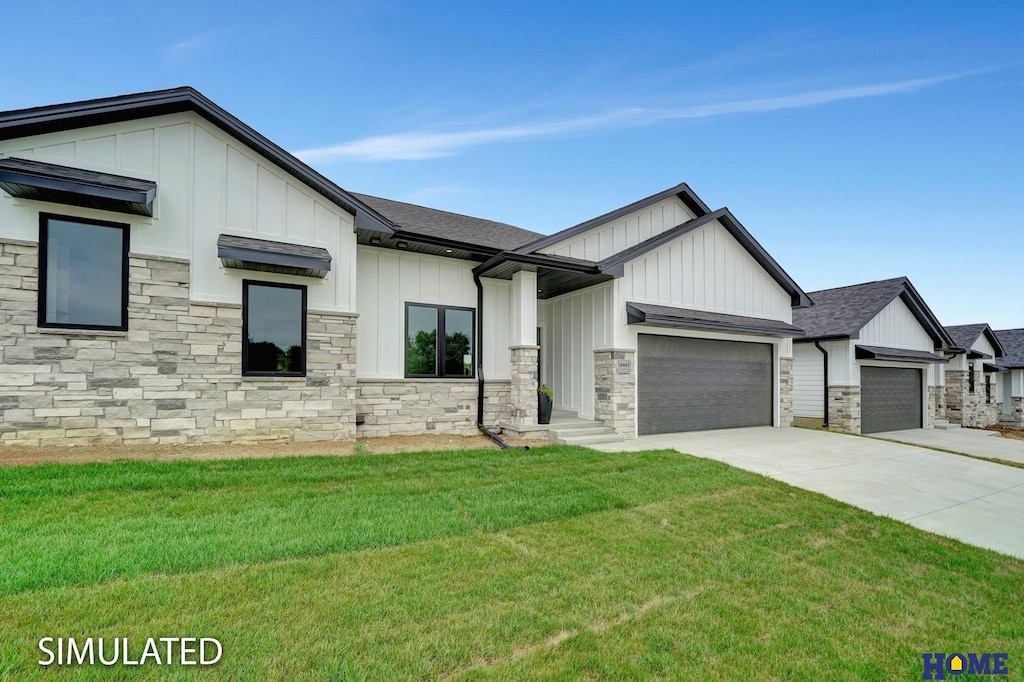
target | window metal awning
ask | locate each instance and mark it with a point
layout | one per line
(248, 253)
(27, 179)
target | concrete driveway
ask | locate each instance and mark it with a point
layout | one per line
(975, 442)
(981, 503)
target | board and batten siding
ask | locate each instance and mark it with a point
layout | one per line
(896, 327)
(610, 238)
(389, 279)
(574, 325)
(706, 269)
(208, 183)
(808, 381)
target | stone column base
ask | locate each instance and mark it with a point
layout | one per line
(524, 385)
(785, 391)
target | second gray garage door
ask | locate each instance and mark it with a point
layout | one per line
(698, 384)
(890, 399)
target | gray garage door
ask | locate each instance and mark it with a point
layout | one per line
(890, 399)
(697, 384)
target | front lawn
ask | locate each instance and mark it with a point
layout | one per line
(558, 563)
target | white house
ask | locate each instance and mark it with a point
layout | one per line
(167, 274)
(871, 359)
(1011, 382)
(974, 389)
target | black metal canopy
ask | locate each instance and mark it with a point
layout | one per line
(28, 179)
(898, 355)
(687, 318)
(248, 253)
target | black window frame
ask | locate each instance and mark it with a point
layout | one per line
(970, 377)
(44, 239)
(246, 283)
(439, 359)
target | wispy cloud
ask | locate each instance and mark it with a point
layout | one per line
(430, 145)
(187, 50)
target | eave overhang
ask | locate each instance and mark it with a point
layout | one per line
(556, 275)
(247, 253)
(898, 355)
(39, 181)
(991, 367)
(685, 318)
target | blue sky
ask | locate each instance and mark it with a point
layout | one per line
(856, 142)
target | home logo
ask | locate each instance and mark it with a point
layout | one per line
(938, 666)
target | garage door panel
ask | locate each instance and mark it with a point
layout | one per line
(697, 384)
(890, 398)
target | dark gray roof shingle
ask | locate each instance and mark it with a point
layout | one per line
(964, 335)
(456, 227)
(843, 311)
(1012, 341)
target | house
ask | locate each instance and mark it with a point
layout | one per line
(1012, 375)
(974, 394)
(871, 359)
(168, 274)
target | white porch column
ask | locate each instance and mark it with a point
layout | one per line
(523, 348)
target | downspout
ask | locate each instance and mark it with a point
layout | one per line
(480, 369)
(817, 344)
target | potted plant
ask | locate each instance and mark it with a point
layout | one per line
(545, 401)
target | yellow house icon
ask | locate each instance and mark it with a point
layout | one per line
(956, 663)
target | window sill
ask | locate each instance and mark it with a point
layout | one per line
(73, 331)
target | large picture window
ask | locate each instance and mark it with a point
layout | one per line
(83, 273)
(273, 329)
(438, 341)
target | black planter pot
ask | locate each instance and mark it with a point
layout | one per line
(544, 405)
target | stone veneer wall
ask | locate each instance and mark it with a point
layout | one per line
(785, 391)
(392, 407)
(173, 377)
(1016, 411)
(844, 408)
(524, 406)
(966, 408)
(615, 393)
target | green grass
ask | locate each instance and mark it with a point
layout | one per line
(557, 563)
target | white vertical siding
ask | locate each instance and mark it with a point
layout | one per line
(808, 381)
(576, 324)
(706, 269)
(896, 327)
(208, 183)
(604, 240)
(388, 279)
(982, 345)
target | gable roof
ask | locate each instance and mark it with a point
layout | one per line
(682, 191)
(798, 298)
(965, 335)
(1012, 342)
(842, 312)
(94, 112)
(435, 223)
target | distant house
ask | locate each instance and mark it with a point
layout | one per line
(871, 359)
(1011, 378)
(974, 392)
(168, 274)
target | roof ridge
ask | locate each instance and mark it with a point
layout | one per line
(439, 210)
(902, 278)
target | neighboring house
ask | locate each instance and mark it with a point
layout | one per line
(167, 274)
(974, 392)
(870, 359)
(1012, 376)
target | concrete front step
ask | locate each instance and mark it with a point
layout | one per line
(944, 425)
(610, 437)
(591, 429)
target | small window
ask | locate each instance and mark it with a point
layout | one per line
(83, 273)
(273, 329)
(988, 388)
(438, 341)
(970, 378)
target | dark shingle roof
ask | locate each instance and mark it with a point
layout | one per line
(453, 226)
(1012, 341)
(841, 312)
(964, 335)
